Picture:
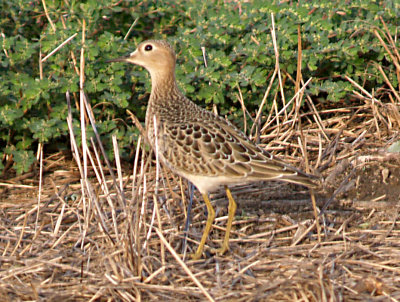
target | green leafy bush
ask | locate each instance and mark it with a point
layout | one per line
(337, 38)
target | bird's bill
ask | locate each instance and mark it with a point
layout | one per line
(120, 59)
(128, 58)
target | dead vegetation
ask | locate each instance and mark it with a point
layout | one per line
(75, 232)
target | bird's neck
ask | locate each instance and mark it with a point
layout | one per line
(164, 87)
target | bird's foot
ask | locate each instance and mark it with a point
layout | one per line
(222, 250)
(197, 255)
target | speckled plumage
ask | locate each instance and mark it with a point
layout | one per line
(196, 143)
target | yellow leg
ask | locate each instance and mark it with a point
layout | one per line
(207, 229)
(231, 215)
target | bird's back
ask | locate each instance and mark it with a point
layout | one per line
(210, 151)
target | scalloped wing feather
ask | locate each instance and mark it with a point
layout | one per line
(214, 147)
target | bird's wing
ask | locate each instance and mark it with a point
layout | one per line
(217, 148)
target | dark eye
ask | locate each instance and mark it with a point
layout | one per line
(148, 47)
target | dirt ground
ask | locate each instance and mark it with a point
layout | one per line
(123, 238)
(274, 252)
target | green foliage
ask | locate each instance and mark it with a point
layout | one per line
(337, 40)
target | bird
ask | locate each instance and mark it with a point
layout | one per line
(199, 145)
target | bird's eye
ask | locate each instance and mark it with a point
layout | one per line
(148, 47)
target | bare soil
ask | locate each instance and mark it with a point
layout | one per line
(357, 259)
(111, 239)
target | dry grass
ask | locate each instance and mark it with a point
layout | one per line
(76, 232)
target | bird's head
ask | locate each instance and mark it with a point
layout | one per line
(156, 56)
